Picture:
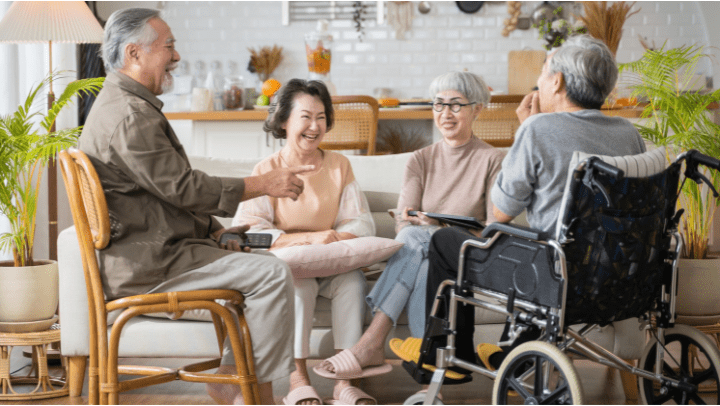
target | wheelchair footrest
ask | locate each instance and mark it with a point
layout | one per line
(424, 376)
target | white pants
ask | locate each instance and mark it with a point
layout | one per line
(346, 292)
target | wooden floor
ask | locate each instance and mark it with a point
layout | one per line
(601, 386)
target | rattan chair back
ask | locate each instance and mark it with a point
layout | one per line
(497, 122)
(356, 119)
(92, 223)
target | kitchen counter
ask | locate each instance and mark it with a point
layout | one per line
(392, 113)
(238, 134)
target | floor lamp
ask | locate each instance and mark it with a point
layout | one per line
(48, 22)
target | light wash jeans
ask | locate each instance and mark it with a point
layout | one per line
(403, 282)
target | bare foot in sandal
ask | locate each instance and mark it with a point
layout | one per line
(301, 391)
(369, 350)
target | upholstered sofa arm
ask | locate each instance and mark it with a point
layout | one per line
(74, 323)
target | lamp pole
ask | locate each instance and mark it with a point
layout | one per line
(52, 179)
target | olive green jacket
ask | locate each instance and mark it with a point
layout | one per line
(161, 210)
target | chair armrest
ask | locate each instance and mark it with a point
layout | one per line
(515, 230)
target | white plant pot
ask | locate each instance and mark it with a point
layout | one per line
(698, 300)
(28, 293)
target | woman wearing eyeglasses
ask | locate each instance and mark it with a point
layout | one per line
(451, 176)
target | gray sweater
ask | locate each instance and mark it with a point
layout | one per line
(534, 172)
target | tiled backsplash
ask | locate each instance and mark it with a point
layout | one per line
(442, 40)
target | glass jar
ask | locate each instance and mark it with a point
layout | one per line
(318, 50)
(233, 96)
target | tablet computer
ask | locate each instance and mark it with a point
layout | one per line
(462, 221)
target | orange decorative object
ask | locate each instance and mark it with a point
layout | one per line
(626, 102)
(318, 59)
(270, 86)
(388, 102)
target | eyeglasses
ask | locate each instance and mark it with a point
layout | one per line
(454, 107)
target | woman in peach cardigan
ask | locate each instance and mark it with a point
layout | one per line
(331, 208)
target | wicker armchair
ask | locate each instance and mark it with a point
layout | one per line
(497, 122)
(356, 119)
(90, 215)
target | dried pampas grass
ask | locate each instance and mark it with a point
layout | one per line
(605, 23)
(266, 60)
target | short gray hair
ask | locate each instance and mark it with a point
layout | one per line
(127, 26)
(589, 70)
(470, 85)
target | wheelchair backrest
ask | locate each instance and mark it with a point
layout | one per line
(616, 249)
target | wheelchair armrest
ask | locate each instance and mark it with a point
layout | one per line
(513, 229)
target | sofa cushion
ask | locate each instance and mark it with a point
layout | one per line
(320, 260)
(379, 173)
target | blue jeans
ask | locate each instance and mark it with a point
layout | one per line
(403, 282)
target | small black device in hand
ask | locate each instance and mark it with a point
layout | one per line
(253, 240)
(462, 221)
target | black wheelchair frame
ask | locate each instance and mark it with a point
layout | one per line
(541, 371)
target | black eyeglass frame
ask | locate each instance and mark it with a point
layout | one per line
(454, 107)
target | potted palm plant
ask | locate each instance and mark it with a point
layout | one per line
(28, 287)
(677, 117)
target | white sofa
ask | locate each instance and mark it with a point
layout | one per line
(380, 178)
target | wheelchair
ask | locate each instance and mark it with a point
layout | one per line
(614, 258)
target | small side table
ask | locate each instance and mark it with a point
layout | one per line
(42, 380)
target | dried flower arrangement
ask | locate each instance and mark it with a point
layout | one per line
(265, 61)
(605, 23)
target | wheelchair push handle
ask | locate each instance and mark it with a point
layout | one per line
(693, 158)
(604, 167)
(697, 157)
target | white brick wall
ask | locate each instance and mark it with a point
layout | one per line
(444, 39)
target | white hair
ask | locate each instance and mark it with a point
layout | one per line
(468, 84)
(589, 70)
(124, 27)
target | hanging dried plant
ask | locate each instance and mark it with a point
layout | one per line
(265, 61)
(358, 18)
(605, 23)
(400, 16)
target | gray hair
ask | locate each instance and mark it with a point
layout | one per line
(470, 85)
(589, 70)
(124, 27)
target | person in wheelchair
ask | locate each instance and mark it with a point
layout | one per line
(561, 117)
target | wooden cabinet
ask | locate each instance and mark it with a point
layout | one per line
(231, 139)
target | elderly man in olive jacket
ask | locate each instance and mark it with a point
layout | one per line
(164, 236)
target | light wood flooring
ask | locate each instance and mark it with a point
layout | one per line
(601, 386)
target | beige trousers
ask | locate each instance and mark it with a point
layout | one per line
(266, 283)
(346, 292)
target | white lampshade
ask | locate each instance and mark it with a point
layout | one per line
(56, 21)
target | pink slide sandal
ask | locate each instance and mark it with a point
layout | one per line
(347, 367)
(350, 396)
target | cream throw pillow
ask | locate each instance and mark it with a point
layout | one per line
(317, 261)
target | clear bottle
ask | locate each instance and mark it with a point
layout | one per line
(215, 81)
(200, 74)
(201, 95)
(318, 50)
(183, 86)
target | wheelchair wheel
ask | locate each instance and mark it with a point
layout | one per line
(693, 358)
(419, 398)
(540, 374)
